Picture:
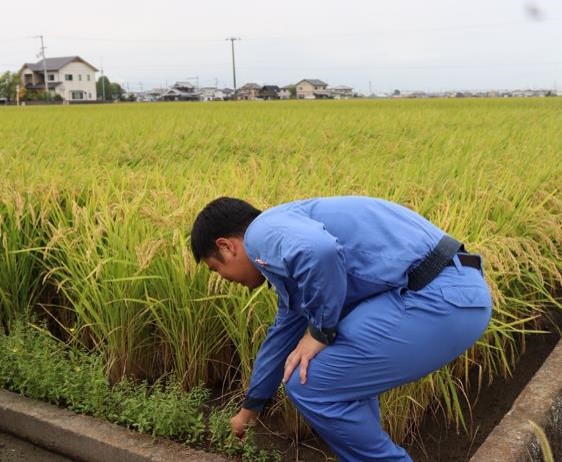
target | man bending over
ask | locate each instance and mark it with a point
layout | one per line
(371, 296)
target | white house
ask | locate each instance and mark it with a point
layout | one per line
(341, 92)
(284, 92)
(70, 77)
(212, 94)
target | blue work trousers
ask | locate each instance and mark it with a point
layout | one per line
(386, 341)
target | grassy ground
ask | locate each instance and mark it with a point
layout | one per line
(96, 204)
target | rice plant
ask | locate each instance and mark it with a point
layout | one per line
(96, 204)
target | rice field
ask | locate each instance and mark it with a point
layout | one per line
(96, 205)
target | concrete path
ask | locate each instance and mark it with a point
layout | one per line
(14, 450)
(85, 438)
(541, 402)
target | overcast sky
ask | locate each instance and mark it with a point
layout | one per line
(385, 44)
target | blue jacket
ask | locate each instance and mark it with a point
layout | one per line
(324, 256)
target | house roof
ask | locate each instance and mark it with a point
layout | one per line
(176, 92)
(55, 64)
(250, 86)
(315, 82)
(183, 84)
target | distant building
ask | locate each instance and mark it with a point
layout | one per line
(186, 87)
(181, 91)
(210, 94)
(284, 92)
(214, 94)
(151, 95)
(341, 92)
(250, 91)
(524, 93)
(70, 77)
(269, 92)
(227, 93)
(312, 89)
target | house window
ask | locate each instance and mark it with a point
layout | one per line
(68, 77)
(77, 95)
(80, 77)
(88, 77)
(51, 77)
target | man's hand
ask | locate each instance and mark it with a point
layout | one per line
(241, 420)
(307, 349)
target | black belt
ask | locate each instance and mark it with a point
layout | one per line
(467, 259)
(439, 258)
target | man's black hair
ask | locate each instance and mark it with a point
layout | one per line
(223, 217)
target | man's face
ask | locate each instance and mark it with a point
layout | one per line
(234, 264)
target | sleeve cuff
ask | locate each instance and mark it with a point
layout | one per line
(254, 404)
(325, 336)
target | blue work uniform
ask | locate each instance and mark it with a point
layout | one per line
(340, 268)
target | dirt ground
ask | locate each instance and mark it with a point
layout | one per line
(440, 445)
(14, 450)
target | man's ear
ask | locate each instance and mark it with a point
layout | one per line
(224, 244)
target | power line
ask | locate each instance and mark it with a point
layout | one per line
(196, 78)
(134, 40)
(405, 67)
(297, 37)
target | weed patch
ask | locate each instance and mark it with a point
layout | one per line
(41, 367)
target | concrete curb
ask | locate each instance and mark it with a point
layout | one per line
(87, 439)
(513, 439)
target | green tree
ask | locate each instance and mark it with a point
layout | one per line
(112, 90)
(103, 88)
(8, 84)
(117, 91)
(292, 91)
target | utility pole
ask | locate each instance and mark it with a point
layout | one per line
(102, 83)
(232, 39)
(44, 66)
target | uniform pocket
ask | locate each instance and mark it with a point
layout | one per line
(467, 296)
